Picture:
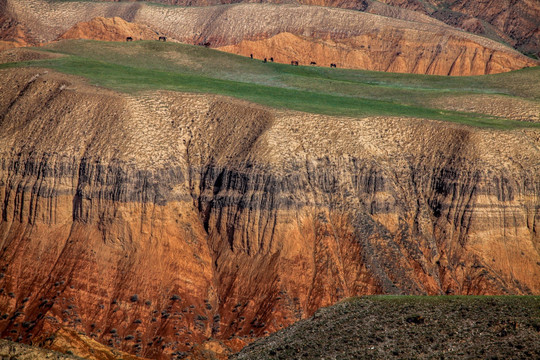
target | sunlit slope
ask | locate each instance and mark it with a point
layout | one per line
(493, 100)
(286, 32)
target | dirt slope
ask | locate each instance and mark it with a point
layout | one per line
(12, 350)
(410, 328)
(152, 223)
(347, 38)
(109, 29)
(516, 22)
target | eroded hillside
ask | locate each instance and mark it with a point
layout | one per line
(388, 39)
(185, 217)
(514, 22)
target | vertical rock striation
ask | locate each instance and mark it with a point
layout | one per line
(152, 223)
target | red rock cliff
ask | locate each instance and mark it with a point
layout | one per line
(152, 223)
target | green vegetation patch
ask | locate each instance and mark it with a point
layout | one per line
(411, 327)
(151, 65)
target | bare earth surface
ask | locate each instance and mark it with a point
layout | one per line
(516, 22)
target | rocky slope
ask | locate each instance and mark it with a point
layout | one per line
(292, 32)
(152, 223)
(410, 328)
(516, 22)
(12, 350)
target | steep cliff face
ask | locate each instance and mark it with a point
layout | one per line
(151, 223)
(384, 50)
(404, 42)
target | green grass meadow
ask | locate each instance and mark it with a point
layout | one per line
(150, 65)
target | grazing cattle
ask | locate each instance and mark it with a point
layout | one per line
(264, 60)
(313, 63)
(333, 65)
(162, 38)
(251, 56)
(272, 59)
(294, 63)
(129, 38)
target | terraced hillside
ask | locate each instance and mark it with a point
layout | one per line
(288, 33)
(202, 200)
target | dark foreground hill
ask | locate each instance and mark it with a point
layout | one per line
(411, 327)
(16, 351)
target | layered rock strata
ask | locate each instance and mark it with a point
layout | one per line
(151, 223)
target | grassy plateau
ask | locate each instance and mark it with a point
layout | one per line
(150, 65)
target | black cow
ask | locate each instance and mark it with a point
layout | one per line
(162, 38)
(272, 59)
(313, 63)
(251, 56)
(264, 60)
(333, 65)
(129, 38)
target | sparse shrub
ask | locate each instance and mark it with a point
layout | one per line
(148, 303)
(137, 321)
(176, 298)
(415, 319)
(134, 298)
(129, 337)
